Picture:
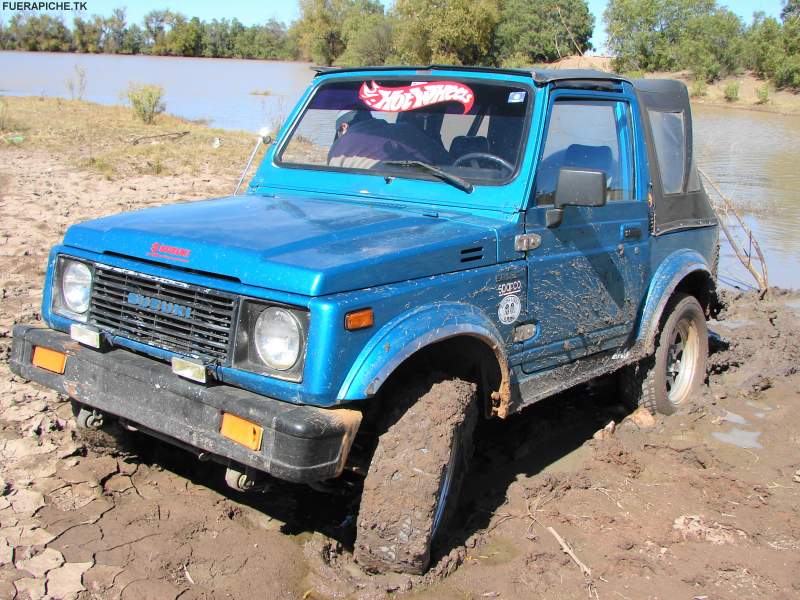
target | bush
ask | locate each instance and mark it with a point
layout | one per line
(634, 74)
(5, 121)
(76, 86)
(146, 101)
(731, 91)
(788, 73)
(698, 89)
(762, 94)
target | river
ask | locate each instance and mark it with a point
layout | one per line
(752, 155)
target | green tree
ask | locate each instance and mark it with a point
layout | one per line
(115, 31)
(5, 36)
(790, 10)
(787, 73)
(764, 46)
(712, 45)
(184, 37)
(368, 40)
(133, 42)
(217, 39)
(532, 31)
(645, 35)
(271, 40)
(87, 36)
(445, 31)
(155, 26)
(39, 33)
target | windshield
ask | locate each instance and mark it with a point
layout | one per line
(466, 129)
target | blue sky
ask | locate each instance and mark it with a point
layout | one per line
(255, 11)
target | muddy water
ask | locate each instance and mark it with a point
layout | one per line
(754, 158)
(753, 155)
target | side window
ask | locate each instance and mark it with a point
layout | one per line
(590, 135)
(670, 143)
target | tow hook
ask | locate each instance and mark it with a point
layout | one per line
(89, 419)
(243, 481)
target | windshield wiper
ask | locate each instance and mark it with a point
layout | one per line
(454, 180)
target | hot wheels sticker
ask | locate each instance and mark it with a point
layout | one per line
(417, 95)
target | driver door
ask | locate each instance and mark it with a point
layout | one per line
(587, 277)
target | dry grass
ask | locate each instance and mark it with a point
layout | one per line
(100, 138)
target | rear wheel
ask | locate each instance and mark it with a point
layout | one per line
(412, 487)
(666, 380)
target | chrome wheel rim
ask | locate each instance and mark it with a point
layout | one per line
(444, 488)
(682, 355)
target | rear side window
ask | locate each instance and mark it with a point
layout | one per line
(593, 135)
(670, 141)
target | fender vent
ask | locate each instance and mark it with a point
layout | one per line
(471, 254)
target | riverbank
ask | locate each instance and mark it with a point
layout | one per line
(704, 503)
(110, 141)
(748, 87)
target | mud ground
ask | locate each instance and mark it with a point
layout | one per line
(703, 504)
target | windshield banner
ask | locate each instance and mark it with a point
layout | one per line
(411, 97)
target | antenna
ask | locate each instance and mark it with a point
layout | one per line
(263, 138)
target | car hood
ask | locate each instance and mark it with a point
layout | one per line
(298, 245)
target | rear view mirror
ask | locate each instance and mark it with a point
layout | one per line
(577, 187)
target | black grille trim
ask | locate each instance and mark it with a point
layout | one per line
(207, 334)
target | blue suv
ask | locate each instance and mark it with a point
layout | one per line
(420, 248)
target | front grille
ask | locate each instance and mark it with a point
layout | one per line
(174, 316)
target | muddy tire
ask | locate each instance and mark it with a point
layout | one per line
(412, 487)
(663, 382)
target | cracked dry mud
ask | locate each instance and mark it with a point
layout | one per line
(655, 508)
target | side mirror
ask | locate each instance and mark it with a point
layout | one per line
(577, 187)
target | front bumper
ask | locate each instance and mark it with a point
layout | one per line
(300, 443)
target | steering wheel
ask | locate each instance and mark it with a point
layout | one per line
(477, 156)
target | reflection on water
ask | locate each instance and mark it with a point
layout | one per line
(755, 159)
(754, 156)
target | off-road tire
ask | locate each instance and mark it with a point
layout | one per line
(395, 524)
(645, 383)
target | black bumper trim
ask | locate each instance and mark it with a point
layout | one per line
(300, 443)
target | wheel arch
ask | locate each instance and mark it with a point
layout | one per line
(683, 271)
(435, 335)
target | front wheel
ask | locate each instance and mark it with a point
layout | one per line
(412, 487)
(666, 380)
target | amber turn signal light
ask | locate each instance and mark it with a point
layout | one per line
(359, 319)
(242, 431)
(50, 360)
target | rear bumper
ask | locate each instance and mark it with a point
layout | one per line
(300, 443)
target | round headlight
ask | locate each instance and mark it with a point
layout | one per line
(277, 338)
(76, 286)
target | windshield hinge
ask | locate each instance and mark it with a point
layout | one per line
(527, 241)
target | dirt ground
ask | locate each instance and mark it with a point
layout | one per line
(701, 505)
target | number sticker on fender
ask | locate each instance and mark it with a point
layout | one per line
(511, 287)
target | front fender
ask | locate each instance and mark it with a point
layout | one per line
(672, 270)
(408, 333)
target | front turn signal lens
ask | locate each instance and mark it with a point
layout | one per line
(359, 319)
(49, 360)
(241, 431)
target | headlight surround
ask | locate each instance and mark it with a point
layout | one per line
(72, 289)
(271, 339)
(277, 337)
